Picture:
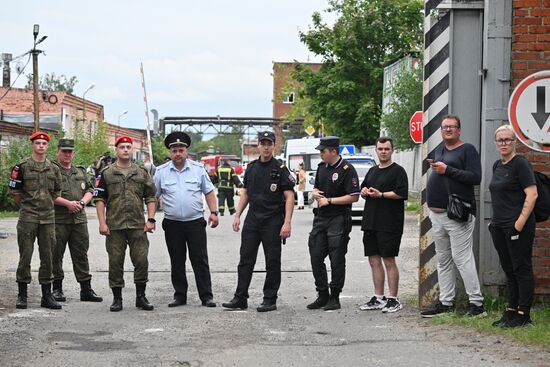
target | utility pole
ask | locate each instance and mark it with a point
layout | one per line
(35, 53)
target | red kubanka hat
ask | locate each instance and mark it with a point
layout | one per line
(39, 135)
(123, 139)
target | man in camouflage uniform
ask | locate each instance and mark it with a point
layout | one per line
(71, 224)
(122, 188)
(34, 185)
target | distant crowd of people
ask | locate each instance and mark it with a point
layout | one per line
(52, 197)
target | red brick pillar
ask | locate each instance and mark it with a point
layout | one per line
(531, 53)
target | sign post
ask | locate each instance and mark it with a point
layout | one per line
(415, 127)
(529, 111)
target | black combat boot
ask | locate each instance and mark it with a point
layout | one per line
(333, 301)
(117, 299)
(236, 303)
(47, 298)
(321, 300)
(87, 294)
(21, 296)
(141, 300)
(57, 291)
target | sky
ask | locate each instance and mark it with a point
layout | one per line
(201, 58)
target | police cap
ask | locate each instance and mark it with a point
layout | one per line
(65, 144)
(266, 135)
(328, 142)
(177, 139)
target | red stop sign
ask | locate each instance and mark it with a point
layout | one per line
(415, 127)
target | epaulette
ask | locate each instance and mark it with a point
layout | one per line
(165, 164)
(252, 162)
(199, 164)
(105, 168)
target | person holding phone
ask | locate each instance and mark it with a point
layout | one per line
(456, 169)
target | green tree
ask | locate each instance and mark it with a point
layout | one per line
(407, 99)
(345, 95)
(89, 147)
(159, 150)
(53, 83)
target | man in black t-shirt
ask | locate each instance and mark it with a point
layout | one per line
(336, 188)
(385, 189)
(269, 188)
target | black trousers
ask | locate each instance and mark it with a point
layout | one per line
(223, 195)
(267, 232)
(515, 254)
(329, 237)
(180, 236)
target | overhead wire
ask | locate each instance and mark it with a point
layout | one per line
(18, 75)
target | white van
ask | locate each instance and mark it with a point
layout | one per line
(303, 150)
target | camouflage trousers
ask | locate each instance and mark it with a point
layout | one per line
(76, 235)
(116, 244)
(26, 235)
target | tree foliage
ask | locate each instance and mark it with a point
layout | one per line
(407, 99)
(345, 95)
(89, 147)
(53, 83)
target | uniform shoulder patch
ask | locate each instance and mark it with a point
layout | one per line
(346, 167)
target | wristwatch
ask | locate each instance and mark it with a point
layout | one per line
(82, 203)
(329, 201)
(215, 212)
(382, 195)
(151, 220)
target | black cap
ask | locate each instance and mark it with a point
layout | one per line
(177, 139)
(65, 144)
(266, 135)
(328, 142)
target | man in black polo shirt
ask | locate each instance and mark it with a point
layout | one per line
(269, 189)
(336, 188)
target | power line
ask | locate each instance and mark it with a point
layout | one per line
(17, 77)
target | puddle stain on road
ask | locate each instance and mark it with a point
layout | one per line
(87, 342)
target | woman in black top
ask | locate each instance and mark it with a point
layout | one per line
(514, 192)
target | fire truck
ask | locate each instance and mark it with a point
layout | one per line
(211, 163)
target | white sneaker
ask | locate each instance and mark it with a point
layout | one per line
(374, 304)
(393, 305)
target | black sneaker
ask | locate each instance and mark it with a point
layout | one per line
(375, 303)
(438, 309)
(518, 320)
(506, 316)
(475, 311)
(393, 305)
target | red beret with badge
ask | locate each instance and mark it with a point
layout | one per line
(39, 135)
(123, 139)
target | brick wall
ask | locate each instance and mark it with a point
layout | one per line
(531, 53)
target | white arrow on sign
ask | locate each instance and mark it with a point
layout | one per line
(529, 111)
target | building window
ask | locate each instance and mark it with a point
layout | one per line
(289, 98)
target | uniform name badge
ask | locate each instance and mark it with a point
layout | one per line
(273, 187)
(334, 176)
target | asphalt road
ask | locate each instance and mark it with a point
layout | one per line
(87, 334)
